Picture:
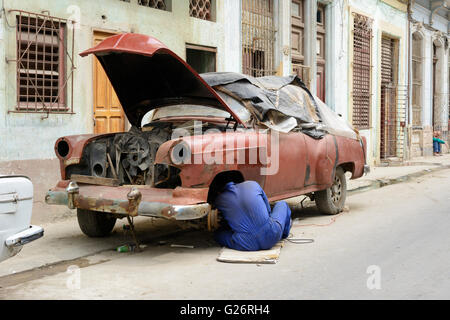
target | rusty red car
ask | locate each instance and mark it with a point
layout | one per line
(190, 134)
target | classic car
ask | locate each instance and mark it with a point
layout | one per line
(16, 204)
(190, 134)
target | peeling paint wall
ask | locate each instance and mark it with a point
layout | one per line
(2, 84)
(28, 136)
(337, 41)
(422, 138)
(282, 9)
(387, 19)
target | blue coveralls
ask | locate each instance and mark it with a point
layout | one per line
(253, 226)
(437, 145)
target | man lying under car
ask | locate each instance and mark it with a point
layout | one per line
(252, 225)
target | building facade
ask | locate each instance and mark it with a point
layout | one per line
(354, 56)
(47, 90)
(429, 74)
(380, 64)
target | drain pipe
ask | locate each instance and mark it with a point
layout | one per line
(409, 60)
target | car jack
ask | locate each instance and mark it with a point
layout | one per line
(133, 233)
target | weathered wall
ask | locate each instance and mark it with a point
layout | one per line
(337, 58)
(282, 10)
(28, 136)
(387, 19)
(422, 137)
(2, 81)
(27, 141)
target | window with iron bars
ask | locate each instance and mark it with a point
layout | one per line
(202, 9)
(362, 35)
(155, 4)
(41, 63)
(258, 38)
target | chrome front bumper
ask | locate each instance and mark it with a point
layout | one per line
(134, 205)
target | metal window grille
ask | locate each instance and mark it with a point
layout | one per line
(258, 38)
(200, 9)
(362, 34)
(393, 119)
(41, 63)
(156, 4)
(393, 102)
(416, 82)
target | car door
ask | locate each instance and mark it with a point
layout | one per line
(291, 155)
(16, 201)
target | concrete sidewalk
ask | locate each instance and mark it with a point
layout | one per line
(380, 176)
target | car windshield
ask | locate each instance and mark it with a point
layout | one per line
(197, 111)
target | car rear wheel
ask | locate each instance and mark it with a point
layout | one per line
(332, 200)
(95, 224)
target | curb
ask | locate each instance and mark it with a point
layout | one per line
(379, 183)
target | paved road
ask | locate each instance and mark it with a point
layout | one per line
(393, 243)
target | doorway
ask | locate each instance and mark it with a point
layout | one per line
(389, 114)
(108, 113)
(320, 48)
(298, 46)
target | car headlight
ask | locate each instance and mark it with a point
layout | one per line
(62, 148)
(180, 153)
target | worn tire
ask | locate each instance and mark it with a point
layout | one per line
(332, 200)
(95, 224)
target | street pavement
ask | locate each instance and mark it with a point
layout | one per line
(392, 242)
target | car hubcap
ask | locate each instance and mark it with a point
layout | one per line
(336, 190)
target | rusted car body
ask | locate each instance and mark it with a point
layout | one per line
(150, 172)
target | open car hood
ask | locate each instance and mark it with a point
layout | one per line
(146, 75)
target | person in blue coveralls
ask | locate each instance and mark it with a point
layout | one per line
(252, 225)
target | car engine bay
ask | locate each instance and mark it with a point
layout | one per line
(129, 156)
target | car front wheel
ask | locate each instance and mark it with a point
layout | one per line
(95, 224)
(332, 200)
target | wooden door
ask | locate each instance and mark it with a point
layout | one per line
(108, 113)
(321, 82)
(297, 28)
(297, 35)
(320, 51)
(388, 124)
